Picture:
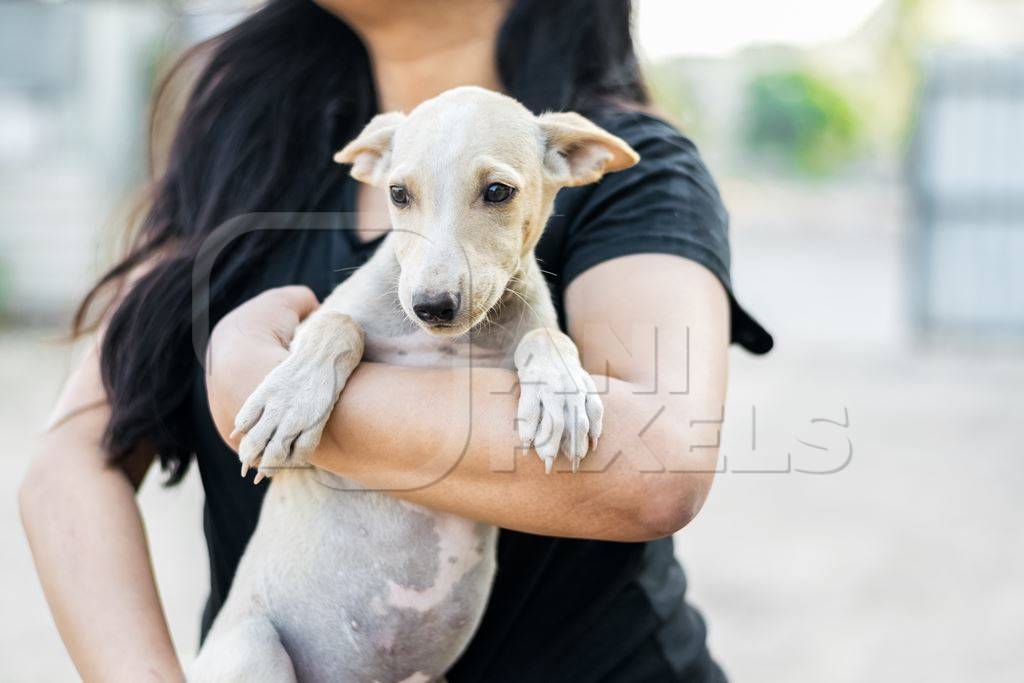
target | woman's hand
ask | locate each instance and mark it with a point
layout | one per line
(247, 344)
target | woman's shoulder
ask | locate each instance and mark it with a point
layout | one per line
(643, 128)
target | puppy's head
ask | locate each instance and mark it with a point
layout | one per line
(471, 176)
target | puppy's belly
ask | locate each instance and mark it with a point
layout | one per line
(362, 586)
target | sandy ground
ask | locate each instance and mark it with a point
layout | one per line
(904, 565)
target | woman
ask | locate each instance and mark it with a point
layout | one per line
(588, 588)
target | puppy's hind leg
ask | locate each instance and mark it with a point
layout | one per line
(248, 652)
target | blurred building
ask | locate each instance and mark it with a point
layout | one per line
(967, 181)
(814, 138)
(75, 85)
(799, 128)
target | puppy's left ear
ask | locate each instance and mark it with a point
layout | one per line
(579, 152)
(370, 152)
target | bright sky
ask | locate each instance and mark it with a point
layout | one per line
(716, 27)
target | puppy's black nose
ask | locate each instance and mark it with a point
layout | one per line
(436, 308)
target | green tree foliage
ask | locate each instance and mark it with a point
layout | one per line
(799, 120)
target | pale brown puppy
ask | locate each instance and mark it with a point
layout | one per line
(344, 585)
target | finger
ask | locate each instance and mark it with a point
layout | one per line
(305, 444)
(528, 414)
(248, 416)
(545, 427)
(555, 418)
(580, 426)
(298, 298)
(289, 445)
(595, 409)
(569, 436)
(588, 383)
(255, 442)
(595, 417)
(276, 453)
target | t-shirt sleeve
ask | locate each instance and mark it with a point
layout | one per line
(667, 203)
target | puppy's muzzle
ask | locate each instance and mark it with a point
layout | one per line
(436, 309)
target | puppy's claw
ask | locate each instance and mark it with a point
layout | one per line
(260, 476)
(548, 464)
(575, 464)
(245, 469)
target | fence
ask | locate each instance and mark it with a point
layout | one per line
(966, 175)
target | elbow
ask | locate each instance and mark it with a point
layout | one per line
(668, 502)
(664, 515)
(658, 505)
(664, 481)
(35, 491)
(54, 474)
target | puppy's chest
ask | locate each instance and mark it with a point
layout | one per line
(421, 349)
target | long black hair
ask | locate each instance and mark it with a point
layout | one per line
(274, 97)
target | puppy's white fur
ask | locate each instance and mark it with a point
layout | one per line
(359, 586)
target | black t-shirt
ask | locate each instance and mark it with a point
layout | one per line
(560, 609)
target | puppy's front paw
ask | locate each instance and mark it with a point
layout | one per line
(559, 409)
(284, 418)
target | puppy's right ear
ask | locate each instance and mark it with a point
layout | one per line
(370, 152)
(578, 151)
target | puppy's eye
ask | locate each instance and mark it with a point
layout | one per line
(399, 197)
(496, 193)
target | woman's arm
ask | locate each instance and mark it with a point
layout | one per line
(89, 545)
(653, 329)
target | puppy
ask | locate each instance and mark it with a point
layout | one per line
(341, 584)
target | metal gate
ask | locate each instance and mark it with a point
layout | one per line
(966, 175)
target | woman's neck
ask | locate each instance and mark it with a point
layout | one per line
(430, 48)
(404, 83)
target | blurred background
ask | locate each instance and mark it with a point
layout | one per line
(866, 521)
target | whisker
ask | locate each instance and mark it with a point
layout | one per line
(524, 300)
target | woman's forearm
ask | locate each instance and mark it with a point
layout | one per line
(447, 439)
(89, 545)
